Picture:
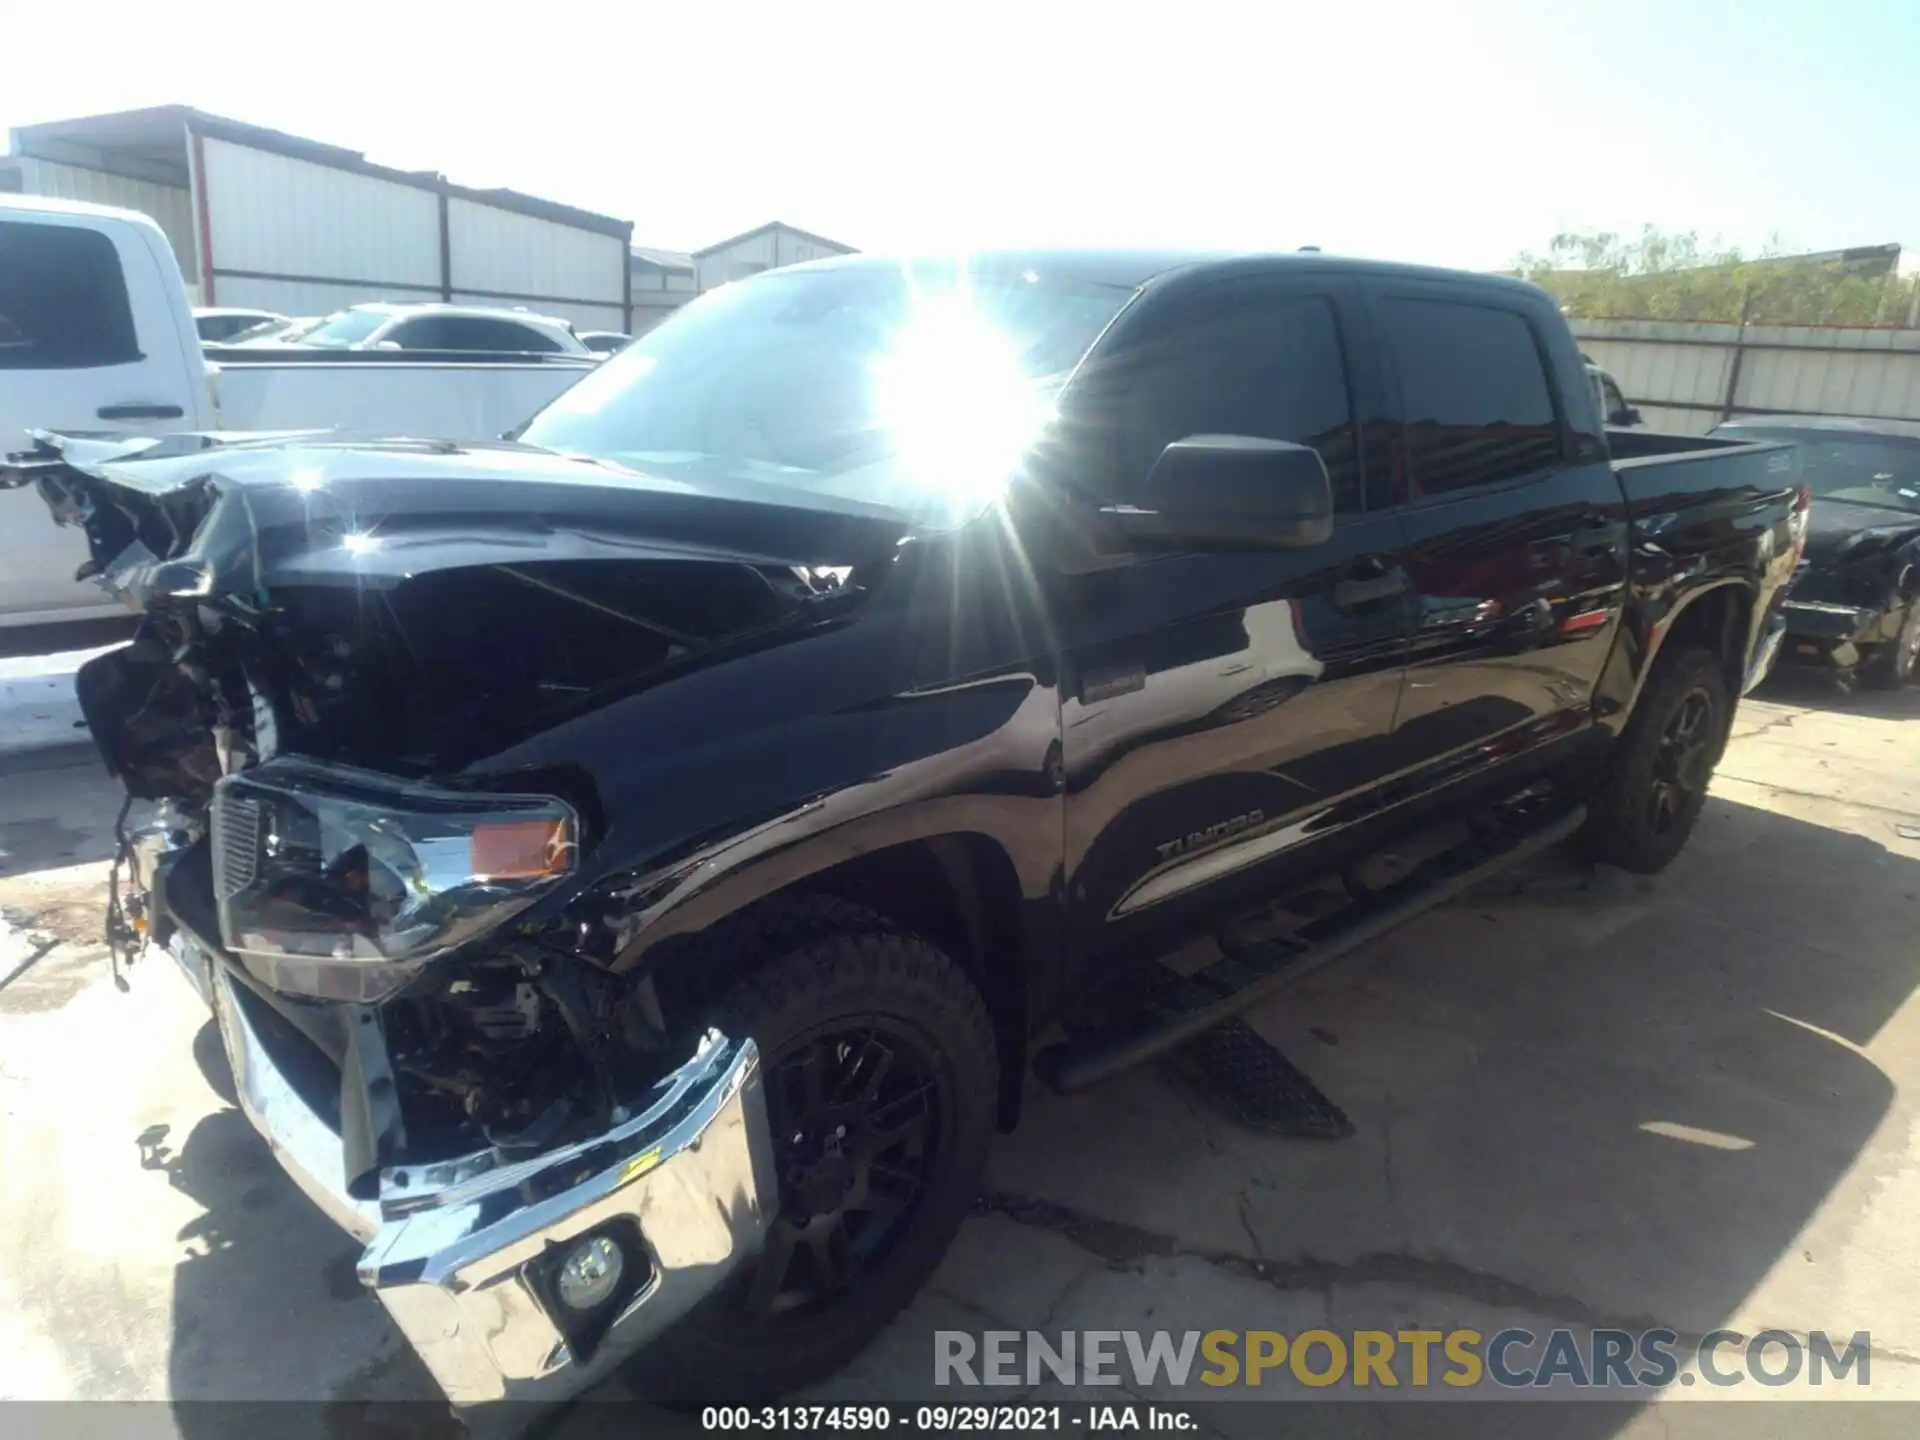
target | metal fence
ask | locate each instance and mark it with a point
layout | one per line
(1687, 377)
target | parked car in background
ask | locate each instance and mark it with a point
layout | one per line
(605, 342)
(219, 324)
(96, 336)
(1855, 604)
(633, 924)
(444, 327)
(282, 331)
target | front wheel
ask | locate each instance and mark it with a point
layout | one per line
(1898, 665)
(880, 1074)
(1656, 786)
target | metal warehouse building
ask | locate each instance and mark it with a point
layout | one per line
(766, 248)
(263, 219)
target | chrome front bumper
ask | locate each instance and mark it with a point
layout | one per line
(456, 1251)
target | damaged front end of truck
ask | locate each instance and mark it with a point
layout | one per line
(336, 643)
(1855, 603)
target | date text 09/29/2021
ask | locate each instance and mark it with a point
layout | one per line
(949, 1419)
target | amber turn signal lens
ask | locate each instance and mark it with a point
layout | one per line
(521, 849)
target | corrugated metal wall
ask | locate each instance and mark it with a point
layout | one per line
(736, 262)
(500, 257)
(291, 223)
(1685, 377)
(306, 238)
(797, 251)
(170, 206)
(308, 297)
(766, 251)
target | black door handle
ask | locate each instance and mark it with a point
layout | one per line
(139, 412)
(1361, 593)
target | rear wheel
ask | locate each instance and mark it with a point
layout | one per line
(1898, 664)
(878, 1063)
(1657, 785)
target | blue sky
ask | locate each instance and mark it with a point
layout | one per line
(1450, 133)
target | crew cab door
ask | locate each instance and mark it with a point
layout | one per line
(90, 341)
(1214, 704)
(1516, 528)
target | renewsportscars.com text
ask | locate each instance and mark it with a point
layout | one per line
(1512, 1359)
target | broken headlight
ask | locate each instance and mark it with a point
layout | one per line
(341, 884)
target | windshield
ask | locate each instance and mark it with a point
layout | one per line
(347, 327)
(915, 386)
(1879, 470)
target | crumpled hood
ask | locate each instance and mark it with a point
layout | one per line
(1837, 530)
(415, 608)
(252, 513)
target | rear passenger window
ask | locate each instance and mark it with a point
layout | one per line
(63, 300)
(1474, 393)
(470, 332)
(1245, 364)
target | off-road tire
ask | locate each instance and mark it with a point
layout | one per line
(797, 967)
(1897, 665)
(1622, 827)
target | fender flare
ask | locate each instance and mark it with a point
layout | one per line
(1685, 601)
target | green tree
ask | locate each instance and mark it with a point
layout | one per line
(1660, 276)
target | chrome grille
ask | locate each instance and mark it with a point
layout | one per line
(236, 843)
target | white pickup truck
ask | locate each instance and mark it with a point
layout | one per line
(96, 336)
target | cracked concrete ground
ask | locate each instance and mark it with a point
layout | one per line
(1580, 1100)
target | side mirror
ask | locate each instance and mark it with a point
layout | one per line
(1625, 415)
(1230, 492)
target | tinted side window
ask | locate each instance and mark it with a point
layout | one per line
(1265, 366)
(526, 338)
(1474, 393)
(63, 300)
(426, 333)
(477, 332)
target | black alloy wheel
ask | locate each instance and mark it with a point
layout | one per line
(858, 1118)
(880, 1075)
(1684, 762)
(1654, 788)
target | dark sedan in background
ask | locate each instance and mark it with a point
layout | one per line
(1855, 602)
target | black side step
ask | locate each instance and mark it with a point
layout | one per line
(1255, 972)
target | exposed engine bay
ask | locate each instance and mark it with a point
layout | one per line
(333, 642)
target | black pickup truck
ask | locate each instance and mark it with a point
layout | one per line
(633, 865)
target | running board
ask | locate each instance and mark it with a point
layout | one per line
(1264, 968)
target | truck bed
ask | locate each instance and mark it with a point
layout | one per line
(1657, 471)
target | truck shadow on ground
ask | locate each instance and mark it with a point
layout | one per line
(273, 1333)
(1581, 1099)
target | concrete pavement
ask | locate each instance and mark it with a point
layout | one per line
(1587, 1100)
(37, 708)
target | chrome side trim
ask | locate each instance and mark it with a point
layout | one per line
(1190, 872)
